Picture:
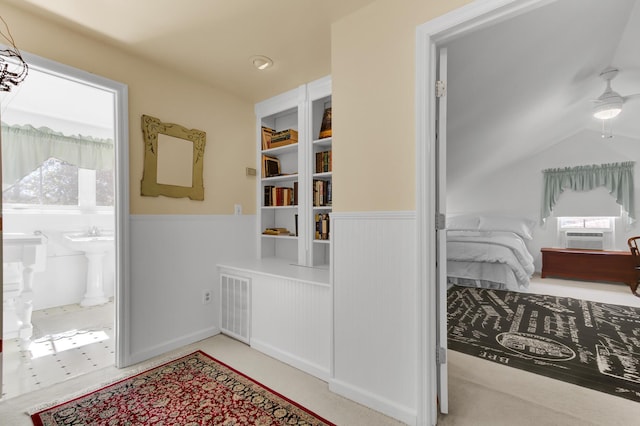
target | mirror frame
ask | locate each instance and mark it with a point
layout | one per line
(151, 128)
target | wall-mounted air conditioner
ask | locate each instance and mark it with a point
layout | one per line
(593, 240)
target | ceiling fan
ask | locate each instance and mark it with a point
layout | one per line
(609, 104)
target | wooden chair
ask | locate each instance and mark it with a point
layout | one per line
(635, 254)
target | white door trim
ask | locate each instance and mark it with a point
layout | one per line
(475, 15)
(121, 208)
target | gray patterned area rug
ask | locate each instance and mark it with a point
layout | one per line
(590, 344)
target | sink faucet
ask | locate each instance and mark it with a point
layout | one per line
(93, 231)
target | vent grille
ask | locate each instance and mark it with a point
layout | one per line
(235, 309)
(585, 240)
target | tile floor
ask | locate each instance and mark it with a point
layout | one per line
(67, 341)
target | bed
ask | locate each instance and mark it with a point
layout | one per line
(489, 252)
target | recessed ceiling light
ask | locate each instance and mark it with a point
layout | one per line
(261, 62)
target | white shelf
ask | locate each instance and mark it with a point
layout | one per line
(279, 207)
(281, 149)
(276, 267)
(322, 208)
(322, 143)
(281, 237)
(322, 241)
(281, 178)
(323, 175)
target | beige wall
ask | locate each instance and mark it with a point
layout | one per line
(373, 67)
(228, 120)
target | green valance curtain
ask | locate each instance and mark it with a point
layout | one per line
(616, 177)
(25, 148)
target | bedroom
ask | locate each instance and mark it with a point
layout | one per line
(556, 101)
(532, 114)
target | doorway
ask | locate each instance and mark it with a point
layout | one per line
(65, 186)
(429, 37)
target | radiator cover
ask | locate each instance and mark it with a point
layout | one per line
(235, 307)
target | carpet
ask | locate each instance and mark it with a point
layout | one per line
(590, 344)
(193, 390)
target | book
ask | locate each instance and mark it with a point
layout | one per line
(278, 196)
(325, 128)
(322, 230)
(268, 199)
(321, 193)
(266, 137)
(270, 166)
(323, 161)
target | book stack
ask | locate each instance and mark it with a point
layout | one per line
(321, 193)
(322, 226)
(273, 139)
(284, 137)
(323, 161)
(280, 196)
(276, 231)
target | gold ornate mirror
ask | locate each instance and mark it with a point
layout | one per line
(168, 158)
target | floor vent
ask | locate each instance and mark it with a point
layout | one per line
(235, 309)
(585, 240)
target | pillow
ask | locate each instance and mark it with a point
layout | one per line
(463, 222)
(520, 226)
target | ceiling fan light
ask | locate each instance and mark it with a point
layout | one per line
(607, 111)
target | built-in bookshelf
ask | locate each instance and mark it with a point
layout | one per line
(321, 173)
(295, 169)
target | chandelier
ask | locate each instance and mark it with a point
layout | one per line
(13, 68)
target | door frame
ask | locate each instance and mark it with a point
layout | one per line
(121, 207)
(473, 16)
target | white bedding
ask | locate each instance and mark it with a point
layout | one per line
(496, 259)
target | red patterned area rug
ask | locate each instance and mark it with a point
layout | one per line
(193, 390)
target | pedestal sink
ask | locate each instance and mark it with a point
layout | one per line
(94, 245)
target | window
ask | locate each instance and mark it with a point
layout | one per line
(590, 222)
(58, 149)
(58, 183)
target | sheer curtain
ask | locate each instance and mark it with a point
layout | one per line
(25, 148)
(616, 177)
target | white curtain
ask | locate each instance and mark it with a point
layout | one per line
(25, 148)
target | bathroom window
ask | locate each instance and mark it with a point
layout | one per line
(58, 150)
(58, 183)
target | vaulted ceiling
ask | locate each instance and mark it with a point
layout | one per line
(212, 40)
(521, 85)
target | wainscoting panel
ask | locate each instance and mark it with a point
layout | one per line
(375, 311)
(291, 322)
(173, 261)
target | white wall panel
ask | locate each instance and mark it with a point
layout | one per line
(291, 321)
(173, 259)
(375, 318)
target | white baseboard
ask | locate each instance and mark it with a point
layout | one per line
(288, 358)
(374, 402)
(172, 345)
